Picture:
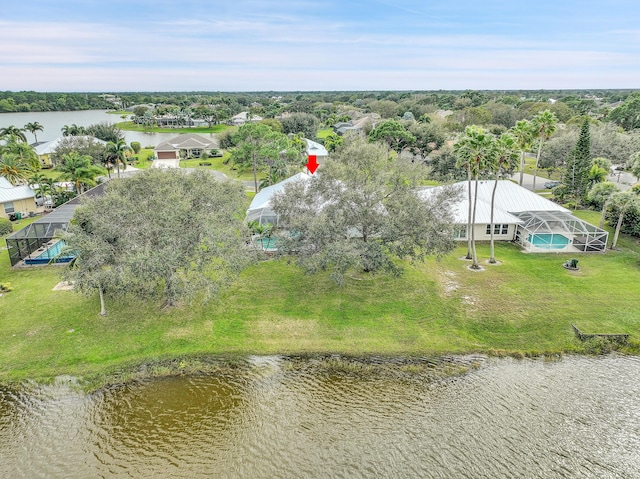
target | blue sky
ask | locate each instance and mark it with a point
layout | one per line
(285, 45)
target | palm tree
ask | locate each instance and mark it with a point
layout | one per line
(80, 171)
(625, 200)
(601, 193)
(24, 151)
(12, 132)
(14, 169)
(476, 150)
(117, 152)
(33, 127)
(522, 132)
(505, 160)
(543, 126)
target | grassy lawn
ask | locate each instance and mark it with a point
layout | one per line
(131, 126)
(220, 164)
(522, 306)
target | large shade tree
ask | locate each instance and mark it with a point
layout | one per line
(187, 243)
(393, 134)
(362, 212)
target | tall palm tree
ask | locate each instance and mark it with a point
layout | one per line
(24, 151)
(523, 133)
(543, 126)
(32, 128)
(117, 152)
(477, 149)
(505, 160)
(12, 132)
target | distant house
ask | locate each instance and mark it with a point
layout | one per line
(536, 223)
(188, 145)
(16, 199)
(317, 150)
(44, 149)
(244, 117)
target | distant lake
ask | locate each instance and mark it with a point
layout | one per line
(54, 121)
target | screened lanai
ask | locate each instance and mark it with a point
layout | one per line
(558, 231)
(36, 243)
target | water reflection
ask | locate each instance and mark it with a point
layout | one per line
(280, 417)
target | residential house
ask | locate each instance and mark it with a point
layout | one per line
(45, 149)
(244, 117)
(16, 199)
(522, 216)
(188, 145)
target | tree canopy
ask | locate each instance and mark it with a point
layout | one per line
(165, 235)
(362, 211)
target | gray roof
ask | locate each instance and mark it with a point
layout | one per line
(186, 141)
(8, 192)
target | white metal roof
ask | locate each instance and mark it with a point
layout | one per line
(8, 192)
(262, 201)
(314, 148)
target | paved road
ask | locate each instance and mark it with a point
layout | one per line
(624, 180)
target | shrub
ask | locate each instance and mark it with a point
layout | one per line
(5, 287)
(136, 147)
(6, 226)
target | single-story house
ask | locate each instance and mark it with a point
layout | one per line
(244, 117)
(44, 149)
(260, 207)
(188, 145)
(16, 199)
(520, 215)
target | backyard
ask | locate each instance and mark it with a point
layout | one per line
(523, 306)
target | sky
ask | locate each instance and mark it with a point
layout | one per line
(327, 45)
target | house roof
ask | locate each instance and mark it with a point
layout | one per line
(244, 116)
(510, 200)
(186, 141)
(314, 148)
(263, 198)
(48, 147)
(8, 192)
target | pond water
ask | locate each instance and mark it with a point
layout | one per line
(274, 417)
(54, 121)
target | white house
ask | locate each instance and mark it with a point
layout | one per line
(536, 223)
(244, 117)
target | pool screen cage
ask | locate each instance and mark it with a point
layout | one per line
(540, 229)
(33, 239)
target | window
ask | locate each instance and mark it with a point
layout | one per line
(460, 232)
(498, 229)
(8, 207)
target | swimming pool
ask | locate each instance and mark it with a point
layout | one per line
(51, 253)
(548, 240)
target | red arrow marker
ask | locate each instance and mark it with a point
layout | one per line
(312, 164)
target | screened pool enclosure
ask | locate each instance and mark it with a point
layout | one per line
(557, 231)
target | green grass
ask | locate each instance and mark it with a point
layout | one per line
(523, 306)
(220, 164)
(131, 126)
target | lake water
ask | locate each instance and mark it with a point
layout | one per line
(274, 417)
(54, 121)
